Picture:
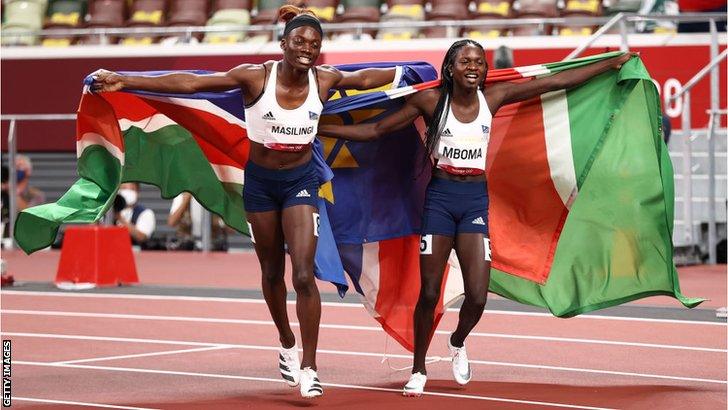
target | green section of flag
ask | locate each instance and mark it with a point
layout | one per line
(616, 244)
(173, 161)
(168, 158)
(86, 201)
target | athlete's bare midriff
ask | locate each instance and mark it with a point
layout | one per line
(439, 173)
(273, 159)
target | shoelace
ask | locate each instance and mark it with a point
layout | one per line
(385, 358)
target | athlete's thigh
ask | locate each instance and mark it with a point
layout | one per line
(473, 252)
(300, 229)
(434, 253)
(267, 235)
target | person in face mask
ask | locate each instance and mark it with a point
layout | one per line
(26, 195)
(138, 219)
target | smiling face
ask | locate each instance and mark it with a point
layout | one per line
(469, 67)
(301, 47)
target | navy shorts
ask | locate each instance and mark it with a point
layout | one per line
(453, 207)
(274, 189)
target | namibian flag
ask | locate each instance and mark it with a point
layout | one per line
(580, 185)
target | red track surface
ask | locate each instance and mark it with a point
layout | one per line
(221, 353)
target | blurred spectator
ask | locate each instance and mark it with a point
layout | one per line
(137, 218)
(27, 195)
(665, 7)
(701, 6)
(503, 57)
(186, 215)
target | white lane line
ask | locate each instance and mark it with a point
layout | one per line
(344, 386)
(352, 327)
(366, 354)
(79, 403)
(134, 356)
(338, 304)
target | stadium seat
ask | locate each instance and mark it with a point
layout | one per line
(185, 13)
(535, 9)
(145, 13)
(325, 9)
(63, 14)
(231, 4)
(403, 11)
(580, 8)
(446, 10)
(358, 11)
(227, 17)
(267, 11)
(489, 10)
(188, 13)
(20, 16)
(105, 14)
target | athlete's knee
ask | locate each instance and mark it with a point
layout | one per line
(272, 272)
(303, 281)
(477, 300)
(429, 295)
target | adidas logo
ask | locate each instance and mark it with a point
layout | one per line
(478, 221)
(312, 115)
(303, 194)
(269, 116)
(486, 129)
(446, 133)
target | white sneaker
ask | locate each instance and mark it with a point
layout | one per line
(460, 365)
(289, 365)
(415, 386)
(310, 385)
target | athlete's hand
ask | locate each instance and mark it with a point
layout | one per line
(618, 61)
(107, 81)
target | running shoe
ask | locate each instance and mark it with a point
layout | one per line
(415, 386)
(289, 365)
(460, 365)
(310, 385)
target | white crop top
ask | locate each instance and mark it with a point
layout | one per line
(462, 147)
(281, 129)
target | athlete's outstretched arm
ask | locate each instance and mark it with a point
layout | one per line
(363, 79)
(506, 93)
(371, 131)
(185, 83)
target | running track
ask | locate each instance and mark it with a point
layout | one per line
(155, 346)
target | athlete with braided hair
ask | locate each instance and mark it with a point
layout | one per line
(284, 100)
(459, 115)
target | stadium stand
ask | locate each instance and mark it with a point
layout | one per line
(64, 14)
(20, 15)
(145, 13)
(585, 8)
(491, 10)
(228, 13)
(266, 12)
(184, 13)
(535, 9)
(102, 14)
(358, 11)
(403, 11)
(325, 9)
(442, 10)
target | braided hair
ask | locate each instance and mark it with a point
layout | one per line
(439, 117)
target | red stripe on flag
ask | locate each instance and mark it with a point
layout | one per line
(97, 116)
(230, 140)
(399, 288)
(523, 236)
